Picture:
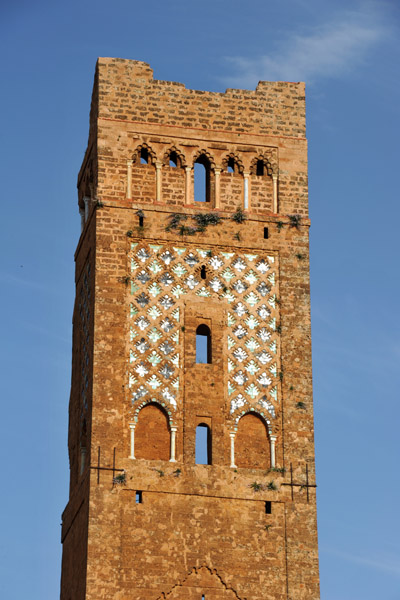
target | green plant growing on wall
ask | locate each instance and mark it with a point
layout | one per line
(120, 479)
(237, 236)
(300, 256)
(239, 216)
(177, 472)
(202, 221)
(301, 405)
(295, 220)
(271, 486)
(257, 487)
(279, 225)
(277, 470)
(129, 233)
(99, 204)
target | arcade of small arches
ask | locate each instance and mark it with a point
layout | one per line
(202, 175)
(204, 166)
(153, 434)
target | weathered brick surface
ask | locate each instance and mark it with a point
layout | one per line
(142, 291)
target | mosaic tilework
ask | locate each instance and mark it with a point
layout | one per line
(161, 276)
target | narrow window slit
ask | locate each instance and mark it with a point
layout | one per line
(139, 497)
(141, 221)
(203, 444)
(260, 168)
(265, 233)
(203, 273)
(144, 156)
(268, 507)
(203, 345)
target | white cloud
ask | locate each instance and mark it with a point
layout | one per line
(330, 49)
(385, 562)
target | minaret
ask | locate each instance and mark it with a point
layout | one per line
(191, 418)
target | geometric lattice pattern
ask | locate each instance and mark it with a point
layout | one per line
(161, 275)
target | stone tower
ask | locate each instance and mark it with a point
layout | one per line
(191, 419)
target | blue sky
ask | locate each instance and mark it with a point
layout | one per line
(348, 53)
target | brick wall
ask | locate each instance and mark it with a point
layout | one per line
(201, 529)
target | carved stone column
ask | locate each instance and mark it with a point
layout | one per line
(158, 181)
(132, 428)
(232, 436)
(246, 191)
(173, 444)
(275, 193)
(272, 439)
(129, 179)
(188, 180)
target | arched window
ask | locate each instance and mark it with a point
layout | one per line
(231, 166)
(252, 446)
(152, 435)
(203, 444)
(203, 344)
(144, 156)
(173, 159)
(260, 168)
(202, 179)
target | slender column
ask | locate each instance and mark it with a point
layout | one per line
(188, 179)
(246, 196)
(275, 193)
(158, 181)
(83, 460)
(82, 214)
(217, 185)
(129, 179)
(86, 200)
(173, 444)
(132, 428)
(272, 439)
(232, 436)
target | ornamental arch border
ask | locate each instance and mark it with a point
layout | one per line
(263, 415)
(267, 163)
(205, 153)
(165, 407)
(136, 154)
(179, 154)
(237, 160)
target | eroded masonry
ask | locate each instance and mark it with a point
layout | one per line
(191, 419)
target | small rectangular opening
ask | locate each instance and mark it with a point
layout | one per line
(268, 507)
(139, 497)
(265, 233)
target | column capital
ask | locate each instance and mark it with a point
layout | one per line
(275, 176)
(132, 425)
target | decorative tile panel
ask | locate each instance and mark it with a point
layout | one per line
(245, 284)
